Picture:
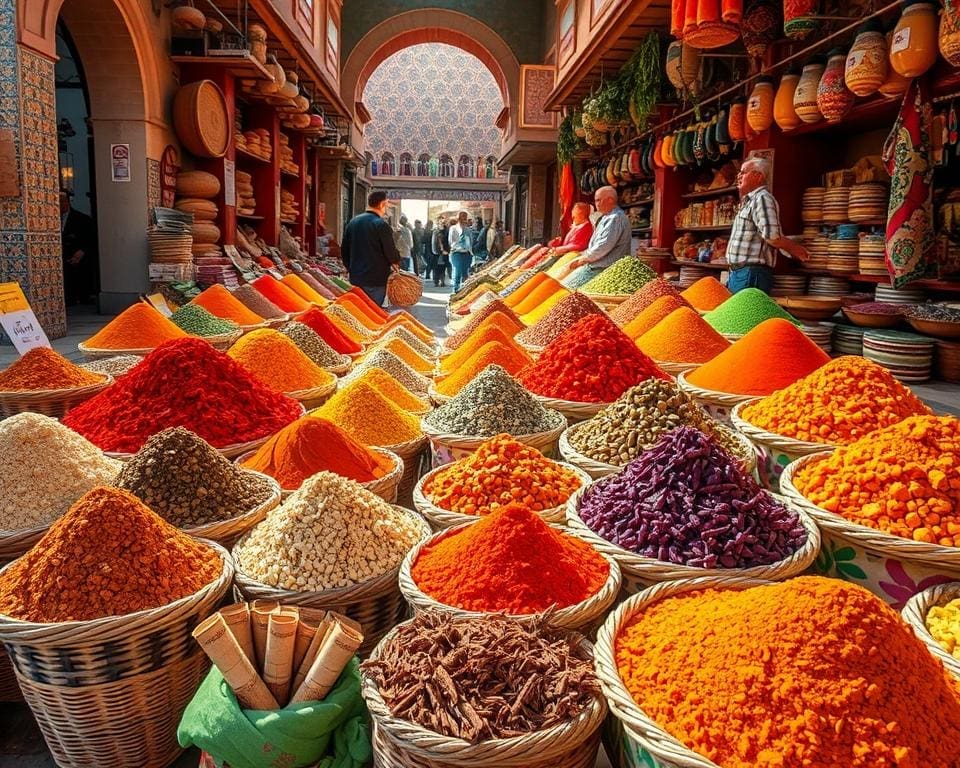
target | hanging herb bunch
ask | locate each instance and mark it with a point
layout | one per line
(642, 76)
(567, 144)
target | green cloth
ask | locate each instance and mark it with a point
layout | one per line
(333, 733)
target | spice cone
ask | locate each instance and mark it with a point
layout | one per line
(306, 632)
(237, 619)
(278, 662)
(339, 646)
(221, 646)
(260, 611)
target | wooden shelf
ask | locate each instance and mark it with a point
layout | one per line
(249, 216)
(712, 228)
(289, 222)
(709, 193)
(638, 203)
(290, 174)
(244, 65)
(641, 231)
(704, 264)
(243, 154)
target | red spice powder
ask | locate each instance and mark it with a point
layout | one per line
(280, 294)
(323, 326)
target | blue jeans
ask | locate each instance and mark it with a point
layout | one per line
(757, 276)
(405, 263)
(461, 268)
(377, 293)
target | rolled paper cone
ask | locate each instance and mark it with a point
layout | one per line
(237, 619)
(323, 627)
(347, 622)
(278, 662)
(221, 646)
(260, 611)
(339, 646)
(306, 631)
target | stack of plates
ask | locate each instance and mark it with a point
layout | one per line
(908, 356)
(835, 203)
(872, 250)
(690, 275)
(819, 249)
(848, 339)
(891, 295)
(789, 285)
(169, 246)
(829, 286)
(820, 334)
(810, 231)
(868, 203)
(812, 212)
(844, 256)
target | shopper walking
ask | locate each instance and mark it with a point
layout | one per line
(495, 241)
(755, 236)
(461, 250)
(480, 254)
(368, 250)
(417, 253)
(438, 251)
(611, 236)
(403, 237)
(426, 251)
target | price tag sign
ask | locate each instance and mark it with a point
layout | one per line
(18, 319)
(159, 303)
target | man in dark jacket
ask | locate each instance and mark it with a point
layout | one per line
(368, 250)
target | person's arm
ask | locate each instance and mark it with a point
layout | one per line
(607, 235)
(767, 219)
(580, 240)
(453, 237)
(345, 247)
(387, 243)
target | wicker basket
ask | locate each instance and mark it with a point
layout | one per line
(376, 603)
(110, 691)
(640, 572)
(315, 396)
(201, 120)
(385, 487)
(445, 448)
(915, 614)
(411, 452)
(775, 451)
(13, 544)
(402, 744)
(275, 322)
(223, 341)
(893, 568)
(441, 519)
(93, 353)
(342, 369)
(583, 617)
(9, 687)
(227, 532)
(634, 740)
(675, 369)
(404, 289)
(50, 402)
(718, 404)
(435, 397)
(573, 411)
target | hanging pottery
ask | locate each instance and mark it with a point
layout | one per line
(634, 164)
(669, 159)
(611, 173)
(949, 40)
(711, 146)
(784, 114)
(738, 113)
(799, 18)
(723, 132)
(867, 64)
(625, 174)
(896, 84)
(805, 96)
(716, 24)
(760, 26)
(699, 143)
(689, 138)
(913, 49)
(833, 98)
(657, 156)
(760, 106)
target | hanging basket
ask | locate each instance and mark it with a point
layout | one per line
(404, 289)
(915, 614)
(446, 448)
(50, 402)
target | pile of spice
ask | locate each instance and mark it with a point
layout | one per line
(682, 337)
(185, 383)
(41, 368)
(706, 294)
(510, 561)
(485, 334)
(114, 366)
(772, 356)
(837, 404)
(903, 480)
(409, 322)
(542, 293)
(218, 301)
(511, 358)
(104, 557)
(389, 362)
(687, 501)
(277, 362)
(197, 321)
(938, 312)
(309, 342)
(359, 312)
(311, 445)
(331, 533)
(369, 417)
(652, 315)
(624, 276)
(325, 292)
(189, 483)
(343, 318)
(407, 354)
(811, 671)
(636, 421)
(877, 308)
(519, 280)
(579, 277)
(593, 361)
(641, 299)
(943, 623)
(139, 326)
(493, 402)
(505, 318)
(570, 310)
(393, 390)
(324, 327)
(296, 284)
(540, 311)
(528, 289)
(280, 295)
(422, 348)
(744, 311)
(60, 467)
(478, 668)
(359, 298)
(257, 303)
(501, 471)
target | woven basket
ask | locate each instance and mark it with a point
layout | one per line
(640, 572)
(201, 120)
(775, 451)
(411, 452)
(637, 741)
(223, 341)
(608, 300)
(402, 744)
(404, 289)
(893, 568)
(915, 614)
(385, 487)
(275, 322)
(573, 411)
(93, 353)
(441, 519)
(718, 404)
(50, 402)
(675, 369)
(9, 688)
(342, 369)
(111, 691)
(376, 603)
(315, 396)
(227, 532)
(446, 448)
(435, 397)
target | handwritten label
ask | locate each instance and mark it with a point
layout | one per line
(18, 319)
(229, 182)
(159, 303)
(901, 40)
(854, 60)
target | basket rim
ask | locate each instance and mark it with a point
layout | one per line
(225, 527)
(139, 351)
(571, 454)
(51, 394)
(313, 392)
(915, 612)
(407, 449)
(557, 404)
(219, 338)
(568, 617)
(871, 539)
(397, 468)
(446, 437)
(711, 395)
(650, 568)
(781, 442)
(676, 368)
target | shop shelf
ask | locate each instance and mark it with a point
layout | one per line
(709, 193)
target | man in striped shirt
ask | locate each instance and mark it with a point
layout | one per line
(611, 235)
(755, 236)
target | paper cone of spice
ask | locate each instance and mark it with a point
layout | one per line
(278, 656)
(260, 612)
(221, 646)
(237, 620)
(339, 645)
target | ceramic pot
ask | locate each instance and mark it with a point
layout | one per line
(949, 38)
(735, 122)
(723, 132)
(805, 96)
(896, 84)
(867, 64)
(784, 114)
(798, 21)
(833, 98)
(760, 26)
(634, 164)
(913, 49)
(760, 106)
(657, 156)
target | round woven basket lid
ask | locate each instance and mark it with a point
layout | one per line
(201, 119)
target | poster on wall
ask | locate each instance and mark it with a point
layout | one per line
(536, 83)
(18, 319)
(120, 162)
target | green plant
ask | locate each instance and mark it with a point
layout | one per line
(642, 78)
(567, 143)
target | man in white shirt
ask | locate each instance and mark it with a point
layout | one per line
(611, 235)
(461, 249)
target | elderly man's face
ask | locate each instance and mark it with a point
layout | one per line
(748, 179)
(604, 202)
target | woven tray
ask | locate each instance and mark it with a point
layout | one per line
(640, 572)
(223, 341)
(50, 402)
(315, 396)
(92, 353)
(411, 452)
(435, 397)
(584, 617)
(915, 614)
(226, 532)
(675, 369)
(343, 368)
(717, 404)
(440, 518)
